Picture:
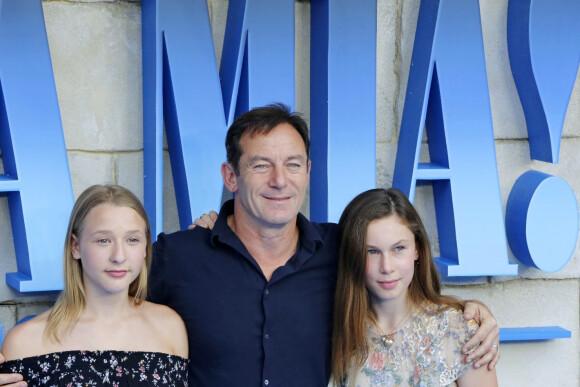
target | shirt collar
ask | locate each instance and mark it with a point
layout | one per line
(309, 235)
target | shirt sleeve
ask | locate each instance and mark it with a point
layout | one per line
(457, 332)
(156, 291)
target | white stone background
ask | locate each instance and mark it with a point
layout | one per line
(96, 54)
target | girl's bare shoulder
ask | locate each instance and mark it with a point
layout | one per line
(25, 339)
(165, 323)
(161, 316)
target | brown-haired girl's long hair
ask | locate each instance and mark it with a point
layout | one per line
(71, 301)
(352, 308)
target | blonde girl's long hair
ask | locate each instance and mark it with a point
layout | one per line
(71, 301)
(352, 307)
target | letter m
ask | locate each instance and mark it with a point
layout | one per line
(183, 91)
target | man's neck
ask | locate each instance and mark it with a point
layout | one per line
(271, 247)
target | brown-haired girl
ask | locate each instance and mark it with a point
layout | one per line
(392, 325)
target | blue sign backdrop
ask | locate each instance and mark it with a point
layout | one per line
(544, 49)
(447, 94)
(36, 177)
(342, 104)
(182, 89)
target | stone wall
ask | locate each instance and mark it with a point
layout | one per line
(96, 55)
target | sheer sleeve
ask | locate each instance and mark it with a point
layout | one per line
(457, 332)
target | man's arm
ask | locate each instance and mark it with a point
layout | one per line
(487, 336)
(11, 380)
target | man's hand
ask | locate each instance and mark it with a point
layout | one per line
(487, 336)
(11, 380)
(205, 220)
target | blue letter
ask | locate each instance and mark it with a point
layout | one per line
(447, 93)
(544, 51)
(36, 178)
(542, 221)
(342, 104)
(182, 89)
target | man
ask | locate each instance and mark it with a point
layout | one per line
(256, 291)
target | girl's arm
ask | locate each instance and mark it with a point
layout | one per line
(478, 377)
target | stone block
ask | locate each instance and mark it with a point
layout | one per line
(218, 12)
(302, 60)
(28, 310)
(96, 56)
(388, 69)
(7, 317)
(409, 15)
(571, 127)
(7, 257)
(507, 114)
(129, 172)
(170, 216)
(386, 155)
(529, 303)
(90, 168)
(102, 1)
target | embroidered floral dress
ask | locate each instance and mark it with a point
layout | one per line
(100, 368)
(425, 352)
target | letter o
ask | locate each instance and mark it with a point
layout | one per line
(542, 221)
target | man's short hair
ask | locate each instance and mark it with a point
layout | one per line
(262, 120)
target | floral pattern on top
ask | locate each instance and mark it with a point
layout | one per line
(426, 351)
(101, 368)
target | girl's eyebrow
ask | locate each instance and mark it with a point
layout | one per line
(106, 232)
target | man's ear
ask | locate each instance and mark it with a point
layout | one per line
(74, 247)
(229, 176)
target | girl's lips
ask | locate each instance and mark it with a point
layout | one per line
(117, 273)
(388, 284)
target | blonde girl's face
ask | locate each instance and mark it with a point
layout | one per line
(391, 256)
(112, 246)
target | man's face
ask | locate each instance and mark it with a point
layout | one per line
(274, 175)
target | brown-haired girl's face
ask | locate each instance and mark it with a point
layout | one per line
(111, 246)
(391, 255)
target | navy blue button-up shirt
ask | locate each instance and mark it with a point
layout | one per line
(244, 330)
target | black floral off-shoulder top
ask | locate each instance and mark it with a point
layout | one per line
(100, 368)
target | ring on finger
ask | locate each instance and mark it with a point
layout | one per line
(495, 346)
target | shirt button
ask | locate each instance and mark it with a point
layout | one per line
(266, 336)
(267, 291)
(266, 382)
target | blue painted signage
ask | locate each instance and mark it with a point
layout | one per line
(542, 221)
(544, 50)
(447, 94)
(183, 90)
(36, 178)
(342, 104)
